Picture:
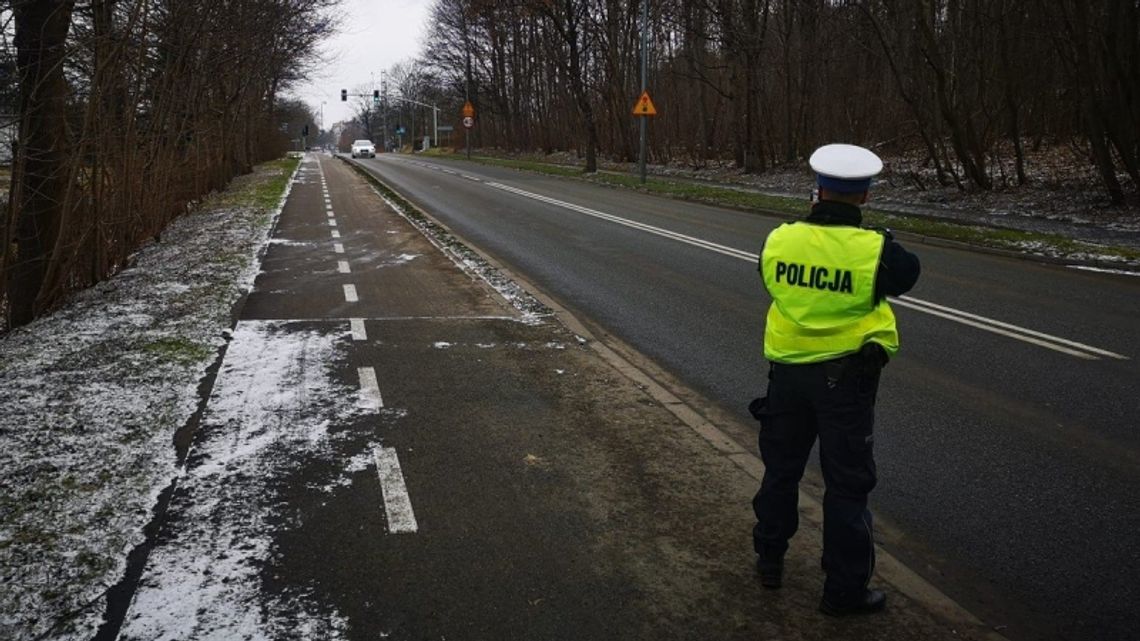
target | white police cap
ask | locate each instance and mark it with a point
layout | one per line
(845, 168)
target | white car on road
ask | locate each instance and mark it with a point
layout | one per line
(363, 149)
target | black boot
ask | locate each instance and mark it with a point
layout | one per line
(771, 570)
(841, 605)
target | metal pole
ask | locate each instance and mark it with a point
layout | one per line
(384, 109)
(435, 125)
(644, 81)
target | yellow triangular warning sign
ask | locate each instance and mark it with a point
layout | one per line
(644, 106)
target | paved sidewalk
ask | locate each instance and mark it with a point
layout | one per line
(393, 450)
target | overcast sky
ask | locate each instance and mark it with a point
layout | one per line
(375, 35)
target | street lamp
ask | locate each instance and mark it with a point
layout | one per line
(322, 116)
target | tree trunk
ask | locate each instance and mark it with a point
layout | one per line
(39, 172)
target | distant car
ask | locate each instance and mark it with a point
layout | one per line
(363, 149)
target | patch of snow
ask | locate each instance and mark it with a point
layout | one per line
(90, 399)
(274, 401)
(289, 243)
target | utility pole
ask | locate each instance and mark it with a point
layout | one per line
(467, 85)
(384, 109)
(644, 81)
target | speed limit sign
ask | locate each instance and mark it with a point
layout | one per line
(468, 122)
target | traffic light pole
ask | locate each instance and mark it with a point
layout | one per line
(434, 117)
(376, 101)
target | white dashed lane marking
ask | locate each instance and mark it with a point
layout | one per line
(358, 332)
(350, 294)
(335, 234)
(338, 248)
(369, 398)
(397, 503)
(342, 267)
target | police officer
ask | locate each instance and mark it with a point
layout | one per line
(828, 333)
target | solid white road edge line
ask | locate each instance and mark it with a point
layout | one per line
(342, 267)
(904, 300)
(350, 294)
(1040, 339)
(1104, 270)
(369, 398)
(397, 503)
(358, 332)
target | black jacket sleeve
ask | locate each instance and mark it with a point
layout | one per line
(898, 271)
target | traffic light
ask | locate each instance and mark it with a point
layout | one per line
(344, 95)
(375, 96)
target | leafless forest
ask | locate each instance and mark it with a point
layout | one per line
(971, 85)
(126, 112)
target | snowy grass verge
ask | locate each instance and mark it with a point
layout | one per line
(91, 397)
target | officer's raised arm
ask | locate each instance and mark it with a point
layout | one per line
(898, 270)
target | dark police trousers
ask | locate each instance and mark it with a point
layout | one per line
(834, 400)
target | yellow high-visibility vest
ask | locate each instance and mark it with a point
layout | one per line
(822, 282)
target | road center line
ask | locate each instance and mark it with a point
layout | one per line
(1041, 339)
(350, 294)
(332, 222)
(342, 267)
(369, 398)
(338, 248)
(358, 332)
(397, 503)
(335, 234)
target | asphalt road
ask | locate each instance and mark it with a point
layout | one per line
(1009, 461)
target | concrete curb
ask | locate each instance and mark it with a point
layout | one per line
(888, 567)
